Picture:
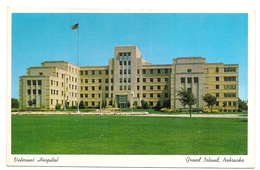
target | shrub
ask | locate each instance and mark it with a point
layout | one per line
(58, 106)
(171, 111)
(206, 111)
(163, 110)
(215, 111)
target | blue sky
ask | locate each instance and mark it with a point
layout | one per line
(161, 37)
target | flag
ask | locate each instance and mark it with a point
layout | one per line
(75, 26)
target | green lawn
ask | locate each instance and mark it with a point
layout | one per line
(78, 134)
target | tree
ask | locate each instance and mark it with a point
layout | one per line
(144, 104)
(81, 105)
(30, 103)
(14, 103)
(242, 105)
(210, 100)
(186, 98)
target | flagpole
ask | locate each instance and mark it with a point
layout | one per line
(78, 71)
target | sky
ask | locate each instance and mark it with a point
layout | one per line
(161, 37)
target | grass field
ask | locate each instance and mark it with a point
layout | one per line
(77, 134)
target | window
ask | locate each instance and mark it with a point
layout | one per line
(229, 86)
(217, 86)
(129, 63)
(129, 71)
(112, 88)
(151, 87)
(230, 69)
(151, 71)
(34, 82)
(158, 79)
(229, 94)
(34, 91)
(121, 71)
(86, 95)
(138, 80)
(151, 79)
(189, 80)
(106, 72)
(86, 87)
(86, 72)
(159, 71)
(100, 72)
(40, 73)
(93, 87)
(182, 79)
(144, 95)
(230, 78)
(99, 80)
(166, 71)
(217, 78)
(144, 71)
(93, 72)
(81, 72)
(138, 71)
(39, 91)
(158, 87)
(217, 70)
(28, 91)
(151, 95)
(144, 79)
(137, 87)
(93, 80)
(188, 70)
(124, 71)
(81, 95)
(86, 80)
(93, 95)
(217, 94)
(144, 87)
(39, 82)
(196, 80)
(166, 95)
(166, 79)
(124, 62)
(217, 103)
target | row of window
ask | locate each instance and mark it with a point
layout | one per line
(229, 103)
(227, 86)
(145, 95)
(152, 79)
(227, 95)
(154, 71)
(34, 82)
(94, 72)
(189, 79)
(227, 69)
(29, 91)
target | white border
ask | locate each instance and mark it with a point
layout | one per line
(143, 161)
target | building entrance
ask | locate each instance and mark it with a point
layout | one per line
(122, 99)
